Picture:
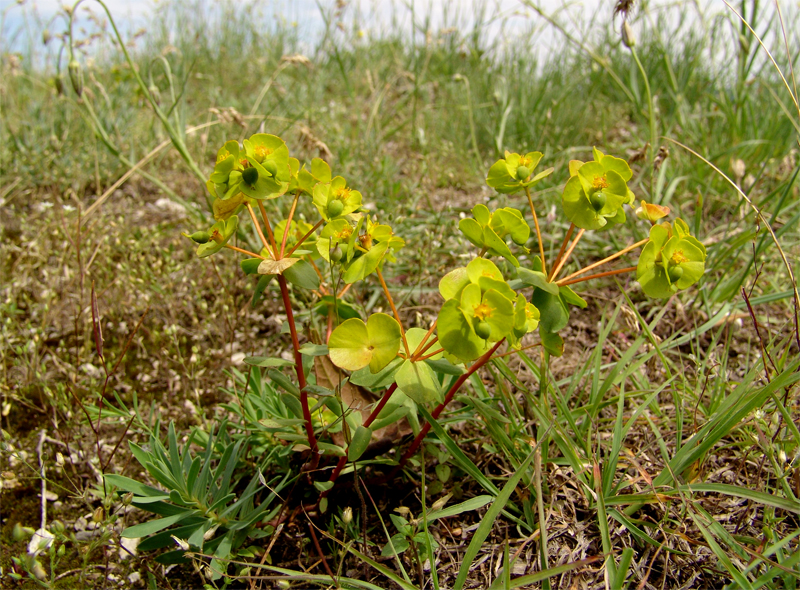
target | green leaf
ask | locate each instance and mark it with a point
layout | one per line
(130, 485)
(534, 278)
(380, 380)
(310, 349)
(452, 283)
(552, 342)
(419, 382)
(456, 334)
(456, 509)
(472, 230)
(445, 367)
(265, 361)
(571, 297)
(361, 439)
(354, 344)
(261, 285)
(153, 526)
(303, 275)
(554, 315)
(250, 265)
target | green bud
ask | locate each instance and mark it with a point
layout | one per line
(250, 175)
(59, 82)
(336, 253)
(271, 167)
(99, 514)
(20, 533)
(62, 550)
(598, 200)
(347, 515)
(200, 237)
(127, 499)
(483, 330)
(75, 76)
(628, 38)
(675, 273)
(523, 172)
(57, 527)
(335, 208)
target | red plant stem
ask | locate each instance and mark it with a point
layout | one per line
(268, 227)
(425, 349)
(597, 276)
(305, 237)
(448, 398)
(425, 339)
(260, 233)
(298, 367)
(563, 261)
(427, 356)
(625, 250)
(343, 460)
(288, 225)
(563, 247)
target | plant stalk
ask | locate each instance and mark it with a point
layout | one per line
(600, 275)
(298, 366)
(448, 398)
(608, 259)
(538, 231)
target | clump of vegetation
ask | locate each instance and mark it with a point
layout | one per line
(404, 342)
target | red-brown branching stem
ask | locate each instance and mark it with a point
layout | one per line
(538, 231)
(605, 260)
(288, 225)
(268, 227)
(425, 348)
(420, 350)
(564, 243)
(600, 275)
(567, 254)
(394, 310)
(246, 252)
(427, 356)
(298, 367)
(259, 231)
(305, 237)
(448, 398)
(367, 423)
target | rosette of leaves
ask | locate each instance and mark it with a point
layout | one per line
(355, 344)
(672, 260)
(214, 239)
(515, 172)
(488, 230)
(478, 309)
(594, 196)
(334, 199)
(205, 503)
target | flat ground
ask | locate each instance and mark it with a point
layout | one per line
(668, 427)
